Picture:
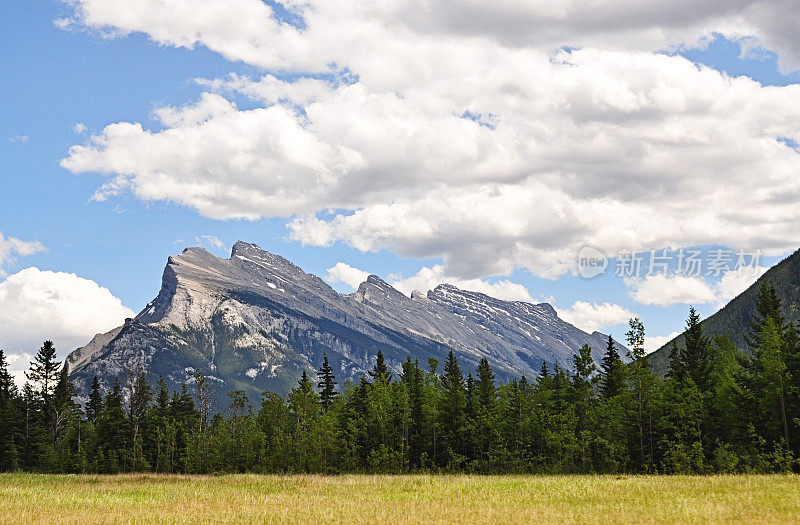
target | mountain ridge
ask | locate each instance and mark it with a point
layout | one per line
(256, 321)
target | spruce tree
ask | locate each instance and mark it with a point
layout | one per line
(675, 370)
(695, 357)
(453, 404)
(380, 372)
(303, 411)
(33, 431)
(544, 373)
(469, 407)
(162, 398)
(44, 371)
(139, 400)
(95, 404)
(412, 381)
(9, 407)
(612, 372)
(773, 377)
(62, 407)
(484, 385)
(112, 430)
(7, 387)
(768, 306)
(326, 383)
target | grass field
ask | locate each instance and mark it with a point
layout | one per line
(28, 498)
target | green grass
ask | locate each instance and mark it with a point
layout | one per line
(29, 498)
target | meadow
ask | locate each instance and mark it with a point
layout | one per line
(32, 498)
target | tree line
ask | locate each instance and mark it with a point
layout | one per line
(718, 409)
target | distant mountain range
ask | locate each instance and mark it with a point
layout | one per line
(734, 319)
(256, 321)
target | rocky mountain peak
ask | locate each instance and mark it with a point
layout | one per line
(256, 321)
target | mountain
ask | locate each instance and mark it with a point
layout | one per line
(734, 319)
(256, 321)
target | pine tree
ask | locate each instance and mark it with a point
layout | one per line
(453, 405)
(695, 357)
(675, 370)
(7, 386)
(612, 372)
(469, 407)
(768, 306)
(412, 380)
(303, 410)
(139, 399)
(95, 404)
(773, 372)
(112, 430)
(380, 372)
(44, 370)
(484, 386)
(544, 373)
(326, 383)
(63, 407)
(9, 407)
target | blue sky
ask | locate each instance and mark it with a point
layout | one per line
(55, 76)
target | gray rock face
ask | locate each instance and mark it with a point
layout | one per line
(256, 321)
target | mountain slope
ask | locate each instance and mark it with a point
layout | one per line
(734, 319)
(256, 321)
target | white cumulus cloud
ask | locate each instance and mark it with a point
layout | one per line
(344, 273)
(735, 282)
(248, 30)
(591, 317)
(11, 247)
(36, 305)
(668, 290)
(467, 131)
(651, 344)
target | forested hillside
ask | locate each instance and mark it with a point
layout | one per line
(734, 319)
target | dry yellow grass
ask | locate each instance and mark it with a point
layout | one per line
(26, 498)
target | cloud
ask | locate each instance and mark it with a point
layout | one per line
(250, 31)
(9, 247)
(79, 128)
(19, 139)
(428, 278)
(483, 137)
(591, 317)
(735, 282)
(211, 240)
(69, 310)
(651, 344)
(668, 290)
(344, 273)
(663, 290)
(224, 162)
